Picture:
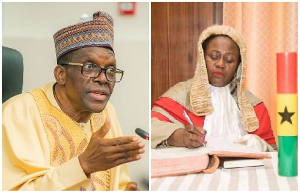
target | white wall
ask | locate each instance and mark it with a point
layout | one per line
(29, 27)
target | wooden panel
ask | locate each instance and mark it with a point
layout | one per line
(185, 28)
(218, 13)
(175, 30)
(159, 49)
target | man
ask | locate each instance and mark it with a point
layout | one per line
(66, 135)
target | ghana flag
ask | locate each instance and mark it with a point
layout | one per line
(287, 104)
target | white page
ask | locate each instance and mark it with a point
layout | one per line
(213, 145)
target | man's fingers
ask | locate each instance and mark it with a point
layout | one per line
(127, 159)
(131, 186)
(104, 129)
(124, 157)
(127, 153)
(122, 140)
(130, 155)
(138, 146)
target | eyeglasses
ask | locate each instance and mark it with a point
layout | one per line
(91, 70)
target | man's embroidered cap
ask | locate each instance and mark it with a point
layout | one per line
(97, 32)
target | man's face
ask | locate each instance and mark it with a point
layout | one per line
(89, 94)
(221, 58)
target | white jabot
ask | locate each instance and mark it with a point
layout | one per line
(225, 122)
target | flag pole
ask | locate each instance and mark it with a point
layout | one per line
(287, 107)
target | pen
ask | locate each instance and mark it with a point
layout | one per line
(187, 118)
(191, 123)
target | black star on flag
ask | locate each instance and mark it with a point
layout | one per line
(286, 116)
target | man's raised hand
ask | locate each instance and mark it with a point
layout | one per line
(103, 153)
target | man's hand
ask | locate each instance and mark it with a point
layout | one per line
(193, 136)
(131, 186)
(102, 154)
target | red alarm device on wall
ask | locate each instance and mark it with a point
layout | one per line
(127, 8)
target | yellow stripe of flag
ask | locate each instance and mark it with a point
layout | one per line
(287, 122)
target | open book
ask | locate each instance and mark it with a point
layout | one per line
(175, 161)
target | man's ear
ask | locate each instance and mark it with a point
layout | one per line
(60, 74)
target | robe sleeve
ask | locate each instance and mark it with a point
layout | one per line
(166, 117)
(25, 151)
(119, 175)
(265, 130)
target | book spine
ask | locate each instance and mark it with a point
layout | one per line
(287, 107)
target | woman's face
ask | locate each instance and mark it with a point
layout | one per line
(221, 57)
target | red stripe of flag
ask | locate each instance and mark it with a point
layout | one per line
(287, 73)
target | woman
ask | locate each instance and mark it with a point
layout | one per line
(218, 106)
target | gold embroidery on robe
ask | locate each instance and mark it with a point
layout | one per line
(66, 138)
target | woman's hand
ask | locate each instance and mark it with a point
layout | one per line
(193, 136)
(190, 137)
